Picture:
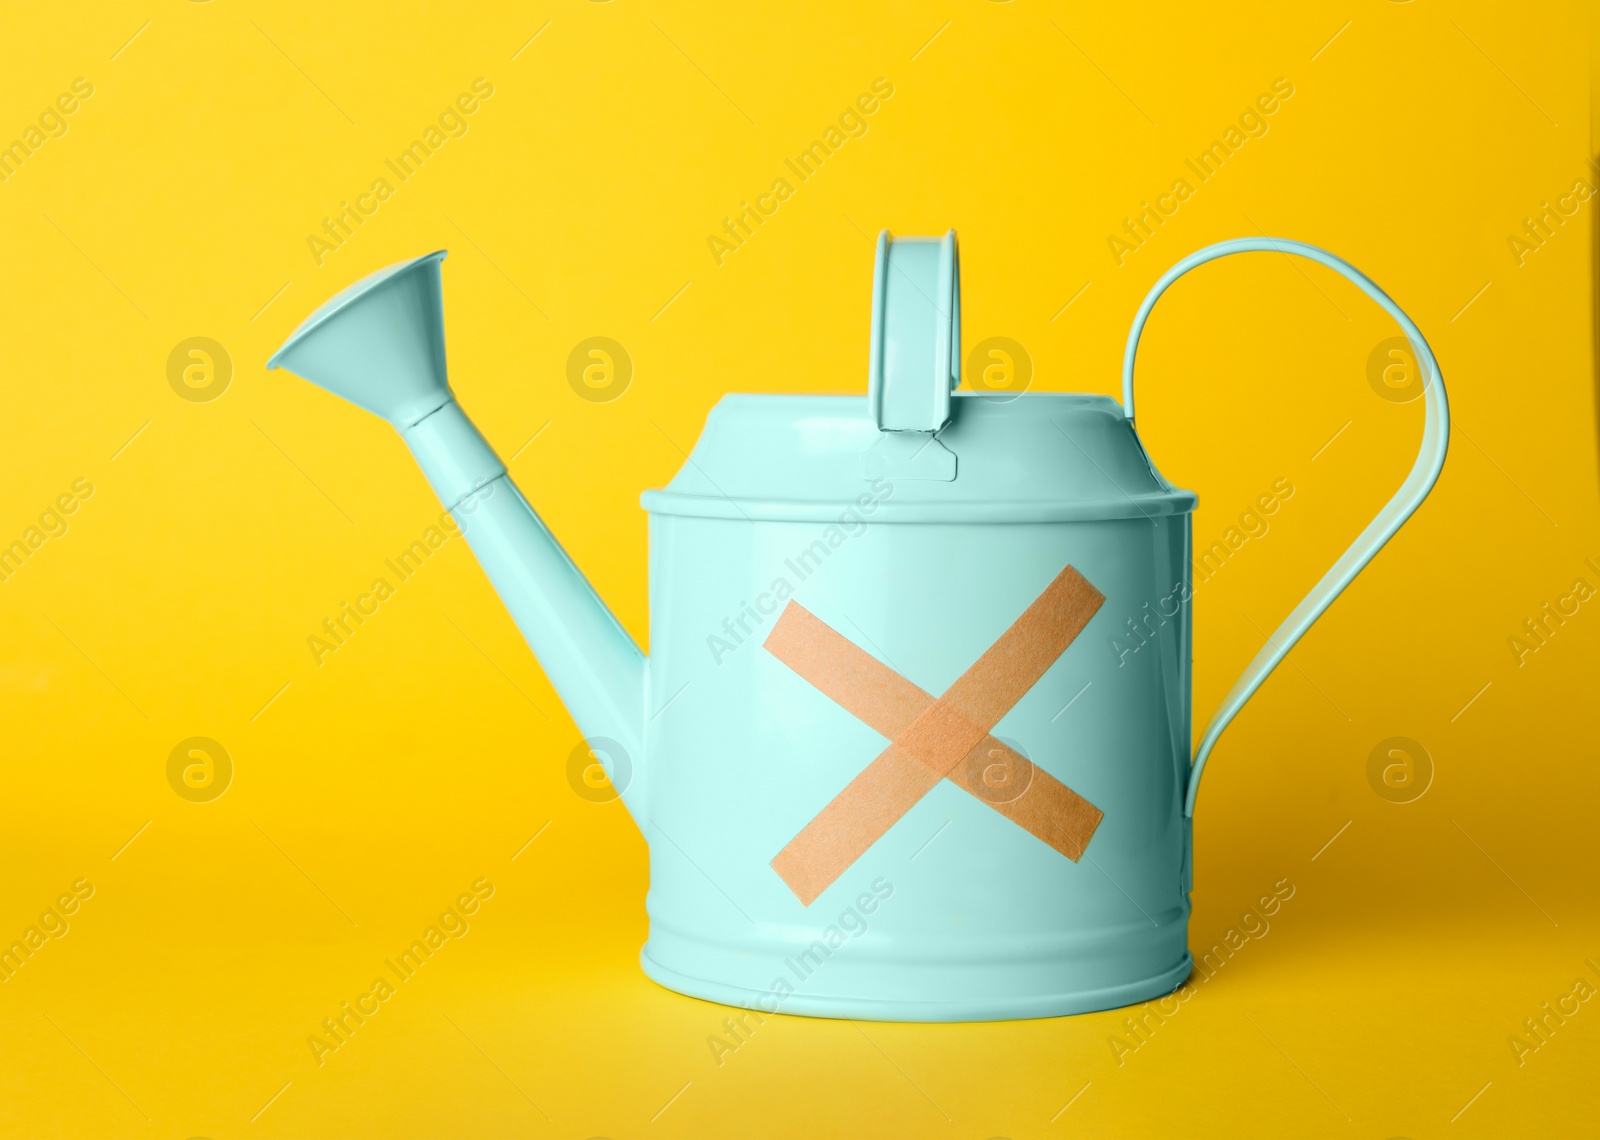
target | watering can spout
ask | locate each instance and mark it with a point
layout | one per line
(380, 345)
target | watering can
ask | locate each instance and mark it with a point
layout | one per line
(890, 752)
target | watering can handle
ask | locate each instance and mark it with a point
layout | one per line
(1424, 473)
(915, 356)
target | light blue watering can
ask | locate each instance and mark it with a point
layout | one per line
(888, 757)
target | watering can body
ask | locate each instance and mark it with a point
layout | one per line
(840, 581)
(957, 912)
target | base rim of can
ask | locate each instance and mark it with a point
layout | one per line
(1021, 1008)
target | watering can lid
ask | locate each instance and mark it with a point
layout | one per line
(1035, 457)
(913, 448)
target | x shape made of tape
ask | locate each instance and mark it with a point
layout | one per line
(930, 739)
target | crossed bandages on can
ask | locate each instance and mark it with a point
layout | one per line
(934, 739)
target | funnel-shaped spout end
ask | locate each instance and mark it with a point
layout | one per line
(385, 352)
(380, 345)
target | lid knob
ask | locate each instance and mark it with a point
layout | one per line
(916, 332)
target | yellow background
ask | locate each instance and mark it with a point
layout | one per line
(428, 750)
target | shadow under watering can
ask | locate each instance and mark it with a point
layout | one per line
(835, 827)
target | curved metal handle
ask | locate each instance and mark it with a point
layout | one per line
(1424, 473)
(916, 332)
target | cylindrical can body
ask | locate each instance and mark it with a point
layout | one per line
(956, 912)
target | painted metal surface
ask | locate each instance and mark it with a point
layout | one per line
(918, 524)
